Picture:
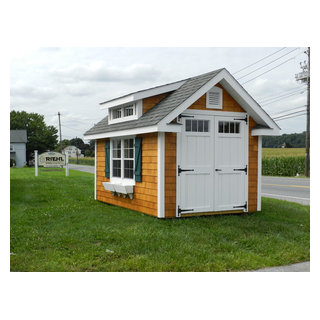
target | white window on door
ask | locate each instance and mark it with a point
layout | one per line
(232, 127)
(197, 125)
(122, 160)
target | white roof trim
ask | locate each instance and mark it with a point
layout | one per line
(129, 132)
(238, 93)
(265, 132)
(142, 94)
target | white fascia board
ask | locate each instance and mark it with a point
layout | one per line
(265, 132)
(237, 92)
(142, 94)
(129, 132)
(235, 89)
(193, 98)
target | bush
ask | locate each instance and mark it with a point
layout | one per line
(12, 162)
(283, 166)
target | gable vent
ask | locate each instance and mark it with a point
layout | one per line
(214, 98)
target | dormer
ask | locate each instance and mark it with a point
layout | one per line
(125, 112)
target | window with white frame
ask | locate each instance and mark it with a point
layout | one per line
(122, 158)
(232, 127)
(123, 113)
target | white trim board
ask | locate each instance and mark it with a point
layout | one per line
(130, 132)
(238, 93)
(161, 174)
(259, 173)
(142, 94)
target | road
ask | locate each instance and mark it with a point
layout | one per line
(290, 189)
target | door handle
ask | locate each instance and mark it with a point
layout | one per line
(218, 169)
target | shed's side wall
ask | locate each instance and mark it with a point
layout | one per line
(145, 192)
(229, 105)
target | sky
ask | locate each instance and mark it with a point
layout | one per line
(73, 80)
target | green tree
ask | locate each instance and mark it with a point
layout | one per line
(40, 136)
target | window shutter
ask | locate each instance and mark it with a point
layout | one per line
(107, 156)
(137, 158)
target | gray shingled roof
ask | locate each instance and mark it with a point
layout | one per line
(18, 136)
(160, 110)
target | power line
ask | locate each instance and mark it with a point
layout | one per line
(268, 63)
(288, 110)
(299, 115)
(289, 114)
(270, 96)
(282, 95)
(278, 99)
(258, 61)
(77, 130)
(269, 70)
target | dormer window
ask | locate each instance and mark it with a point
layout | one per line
(125, 112)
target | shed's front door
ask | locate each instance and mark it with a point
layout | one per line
(195, 172)
(231, 164)
(212, 164)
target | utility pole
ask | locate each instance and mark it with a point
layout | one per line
(60, 132)
(304, 77)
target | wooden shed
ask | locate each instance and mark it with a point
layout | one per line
(191, 147)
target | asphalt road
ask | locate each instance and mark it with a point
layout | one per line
(290, 189)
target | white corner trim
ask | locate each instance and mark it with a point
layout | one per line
(95, 170)
(161, 168)
(142, 94)
(259, 173)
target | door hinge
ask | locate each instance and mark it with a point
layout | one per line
(244, 169)
(182, 210)
(184, 116)
(183, 170)
(240, 207)
(242, 119)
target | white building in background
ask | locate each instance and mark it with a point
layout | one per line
(72, 152)
(18, 149)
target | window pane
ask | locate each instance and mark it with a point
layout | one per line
(128, 111)
(220, 126)
(237, 127)
(128, 148)
(200, 125)
(188, 125)
(116, 113)
(226, 127)
(231, 127)
(116, 168)
(128, 169)
(194, 125)
(206, 126)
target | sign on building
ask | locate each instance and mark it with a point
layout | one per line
(52, 159)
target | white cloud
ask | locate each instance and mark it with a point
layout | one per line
(100, 73)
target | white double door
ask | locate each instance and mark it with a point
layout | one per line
(213, 159)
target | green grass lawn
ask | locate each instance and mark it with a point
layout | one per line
(56, 225)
